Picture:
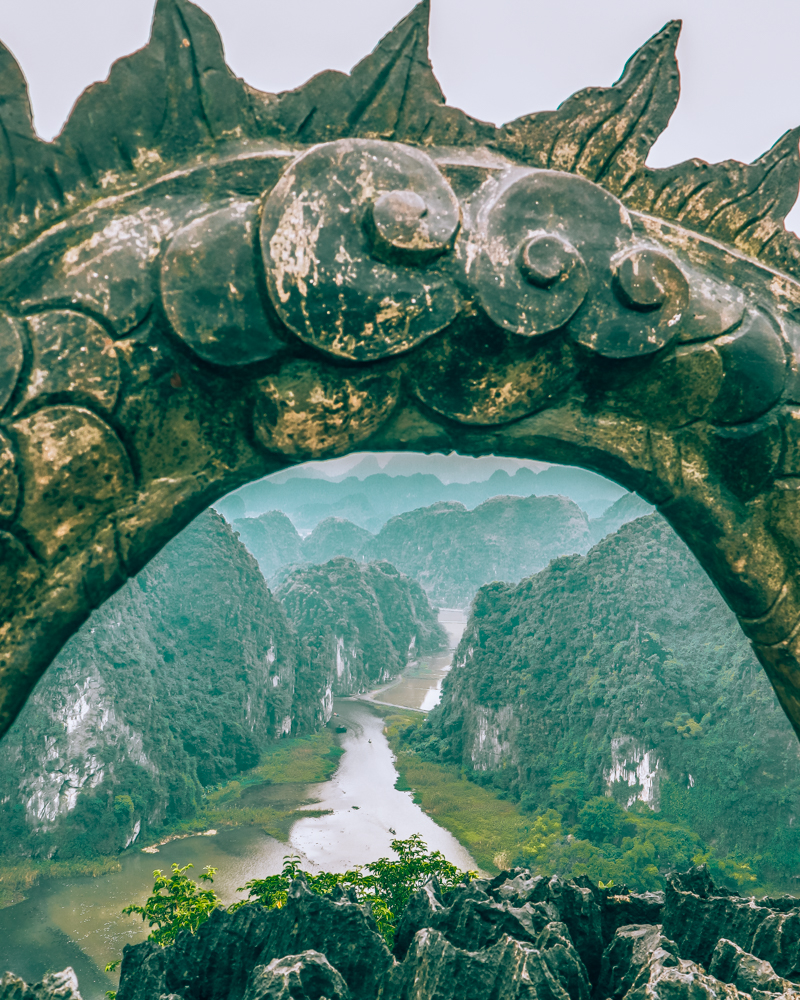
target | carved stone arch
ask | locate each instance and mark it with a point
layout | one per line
(201, 284)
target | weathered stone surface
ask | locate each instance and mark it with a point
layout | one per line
(341, 233)
(417, 280)
(72, 355)
(308, 976)
(629, 956)
(482, 377)
(435, 969)
(210, 291)
(697, 916)
(754, 363)
(536, 910)
(9, 484)
(107, 266)
(75, 471)
(746, 972)
(310, 411)
(11, 357)
(55, 986)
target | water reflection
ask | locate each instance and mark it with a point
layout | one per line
(420, 686)
(367, 811)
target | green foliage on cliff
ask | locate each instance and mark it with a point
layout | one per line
(564, 683)
(359, 622)
(180, 684)
(176, 683)
(452, 551)
(179, 903)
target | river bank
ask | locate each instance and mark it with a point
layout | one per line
(348, 820)
(420, 685)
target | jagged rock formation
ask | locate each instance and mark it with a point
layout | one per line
(55, 986)
(623, 673)
(511, 937)
(360, 624)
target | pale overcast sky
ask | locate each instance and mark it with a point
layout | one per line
(496, 59)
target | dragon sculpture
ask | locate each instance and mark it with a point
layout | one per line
(201, 284)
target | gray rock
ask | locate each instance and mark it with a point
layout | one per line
(218, 961)
(435, 969)
(629, 955)
(697, 915)
(55, 986)
(308, 976)
(732, 964)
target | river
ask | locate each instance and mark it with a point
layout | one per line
(78, 921)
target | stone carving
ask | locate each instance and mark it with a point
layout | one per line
(201, 284)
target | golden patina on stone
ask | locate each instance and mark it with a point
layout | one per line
(201, 284)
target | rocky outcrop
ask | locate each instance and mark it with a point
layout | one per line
(698, 915)
(359, 624)
(54, 986)
(513, 937)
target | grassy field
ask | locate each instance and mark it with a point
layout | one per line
(491, 829)
(18, 876)
(297, 761)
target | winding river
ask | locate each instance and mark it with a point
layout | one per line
(78, 921)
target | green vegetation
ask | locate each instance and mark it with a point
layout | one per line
(177, 903)
(385, 885)
(609, 844)
(358, 621)
(300, 760)
(177, 694)
(17, 876)
(610, 679)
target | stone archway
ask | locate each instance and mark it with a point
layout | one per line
(201, 284)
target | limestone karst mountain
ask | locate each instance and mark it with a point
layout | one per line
(622, 673)
(360, 623)
(372, 500)
(449, 549)
(181, 679)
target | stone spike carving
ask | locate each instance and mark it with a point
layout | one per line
(201, 284)
(391, 94)
(605, 133)
(738, 203)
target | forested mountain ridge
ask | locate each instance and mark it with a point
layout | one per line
(176, 682)
(623, 672)
(372, 501)
(450, 550)
(179, 681)
(361, 623)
